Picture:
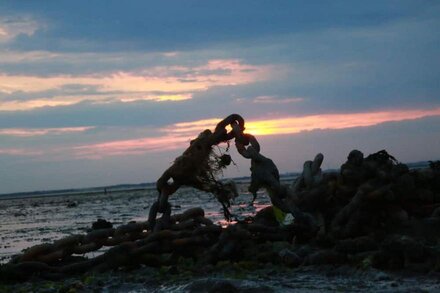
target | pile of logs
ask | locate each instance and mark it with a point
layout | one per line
(130, 244)
(374, 212)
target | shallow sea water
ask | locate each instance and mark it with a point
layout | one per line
(25, 222)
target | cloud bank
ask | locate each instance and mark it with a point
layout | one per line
(109, 92)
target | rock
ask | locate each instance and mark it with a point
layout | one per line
(437, 196)
(381, 276)
(71, 204)
(290, 258)
(384, 260)
(101, 224)
(267, 257)
(436, 213)
(355, 158)
(266, 216)
(304, 251)
(325, 257)
(224, 285)
(211, 286)
(397, 215)
(404, 246)
(426, 196)
(73, 286)
(405, 187)
(356, 245)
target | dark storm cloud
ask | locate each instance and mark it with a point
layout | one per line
(341, 60)
(180, 25)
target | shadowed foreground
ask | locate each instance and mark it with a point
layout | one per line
(373, 214)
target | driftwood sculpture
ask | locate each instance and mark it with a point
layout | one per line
(197, 167)
(265, 174)
(374, 212)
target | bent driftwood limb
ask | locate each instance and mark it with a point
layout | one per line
(197, 167)
(265, 174)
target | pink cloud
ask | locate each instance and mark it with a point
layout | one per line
(275, 100)
(176, 82)
(178, 135)
(19, 152)
(130, 147)
(28, 132)
(13, 27)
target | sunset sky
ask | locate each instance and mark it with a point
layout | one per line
(96, 93)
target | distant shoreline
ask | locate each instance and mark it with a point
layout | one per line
(55, 194)
(110, 189)
(146, 186)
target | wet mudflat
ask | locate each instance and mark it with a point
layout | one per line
(238, 277)
(26, 222)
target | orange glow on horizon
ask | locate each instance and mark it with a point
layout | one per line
(178, 136)
(292, 125)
